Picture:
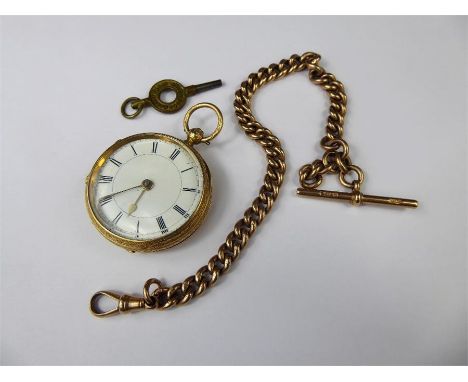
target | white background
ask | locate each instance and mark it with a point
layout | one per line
(320, 282)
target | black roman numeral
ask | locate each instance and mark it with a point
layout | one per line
(115, 161)
(104, 200)
(105, 179)
(138, 229)
(174, 154)
(187, 169)
(133, 148)
(155, 147)
(189, 189)
(181, 211)
(162, 224)
(117, 218)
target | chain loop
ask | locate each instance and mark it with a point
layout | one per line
(352, 169)
(149, 297)
(336, 159)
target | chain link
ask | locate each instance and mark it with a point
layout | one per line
(335, 160)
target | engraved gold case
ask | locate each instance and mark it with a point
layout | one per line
(151, 191)
(152, 244)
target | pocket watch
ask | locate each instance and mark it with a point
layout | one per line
(150, 191)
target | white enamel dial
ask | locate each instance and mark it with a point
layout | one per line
(147, 189)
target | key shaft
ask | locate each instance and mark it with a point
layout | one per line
(195, 89)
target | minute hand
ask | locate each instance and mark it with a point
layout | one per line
(119, 192)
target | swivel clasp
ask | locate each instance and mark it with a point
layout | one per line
(125, 303)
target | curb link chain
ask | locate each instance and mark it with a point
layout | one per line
(335, 160)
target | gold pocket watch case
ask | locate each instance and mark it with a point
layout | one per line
(151, 191)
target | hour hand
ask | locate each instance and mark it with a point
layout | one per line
(148, 185)
(132, 208)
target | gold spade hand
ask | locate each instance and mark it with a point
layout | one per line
(132, 208)
(147, 185)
